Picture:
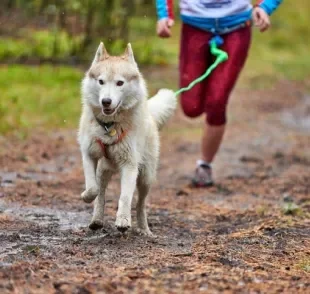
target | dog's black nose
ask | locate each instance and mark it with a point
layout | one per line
(106, 102)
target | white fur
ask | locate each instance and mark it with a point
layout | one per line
(161, 106)
(136, 156)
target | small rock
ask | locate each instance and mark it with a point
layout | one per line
(45, 155)
(181, 193)
(296, 278)
(287, 197)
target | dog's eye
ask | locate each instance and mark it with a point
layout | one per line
(101, 82)
(119, 83)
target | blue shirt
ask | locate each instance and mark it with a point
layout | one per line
(214, 15)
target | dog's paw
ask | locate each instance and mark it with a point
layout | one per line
(145, 232)
(96, 225)
(90, 195)
(123, 223)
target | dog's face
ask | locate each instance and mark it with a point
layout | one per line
(113, 82)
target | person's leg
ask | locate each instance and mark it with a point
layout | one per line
(218, 89)
(194, 59)
(211, 141)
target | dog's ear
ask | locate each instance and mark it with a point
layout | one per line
(129, 54)
(101, 54)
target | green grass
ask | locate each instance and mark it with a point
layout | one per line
(42, 96)
(282, 52)
(304, 265)
(39, 44)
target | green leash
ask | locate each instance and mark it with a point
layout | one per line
(221, 56)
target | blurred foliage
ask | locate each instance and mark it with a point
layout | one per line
(68, 31)
(55, 30)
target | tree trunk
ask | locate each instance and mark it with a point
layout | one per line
(88, 31)
(62, 14)
(128, 6)
(44, 4)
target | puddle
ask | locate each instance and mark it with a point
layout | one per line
(56, 231)
(63, 220)
(55, 228)
(40, 172)
(7, 179)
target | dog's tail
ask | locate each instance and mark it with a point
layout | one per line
(162, 106)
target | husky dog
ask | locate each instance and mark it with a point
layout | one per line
(119, 132)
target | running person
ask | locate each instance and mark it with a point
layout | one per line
(201, 20)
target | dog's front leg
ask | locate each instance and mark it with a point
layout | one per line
(91, 186)
(129, 174)
(98, 215)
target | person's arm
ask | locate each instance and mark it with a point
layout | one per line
(164, 9)
(165, 17)
(261, 11)
(269, 6)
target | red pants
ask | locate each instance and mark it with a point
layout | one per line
(211, 95)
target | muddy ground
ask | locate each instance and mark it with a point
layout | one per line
(250, 233)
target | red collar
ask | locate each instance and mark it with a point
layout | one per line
(105, 146)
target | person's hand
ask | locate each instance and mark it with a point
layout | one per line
(261, 19)
(163, 27)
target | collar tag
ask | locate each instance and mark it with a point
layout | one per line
(112, 132)
(108, 127)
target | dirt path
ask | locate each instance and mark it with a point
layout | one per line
(248, 234)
